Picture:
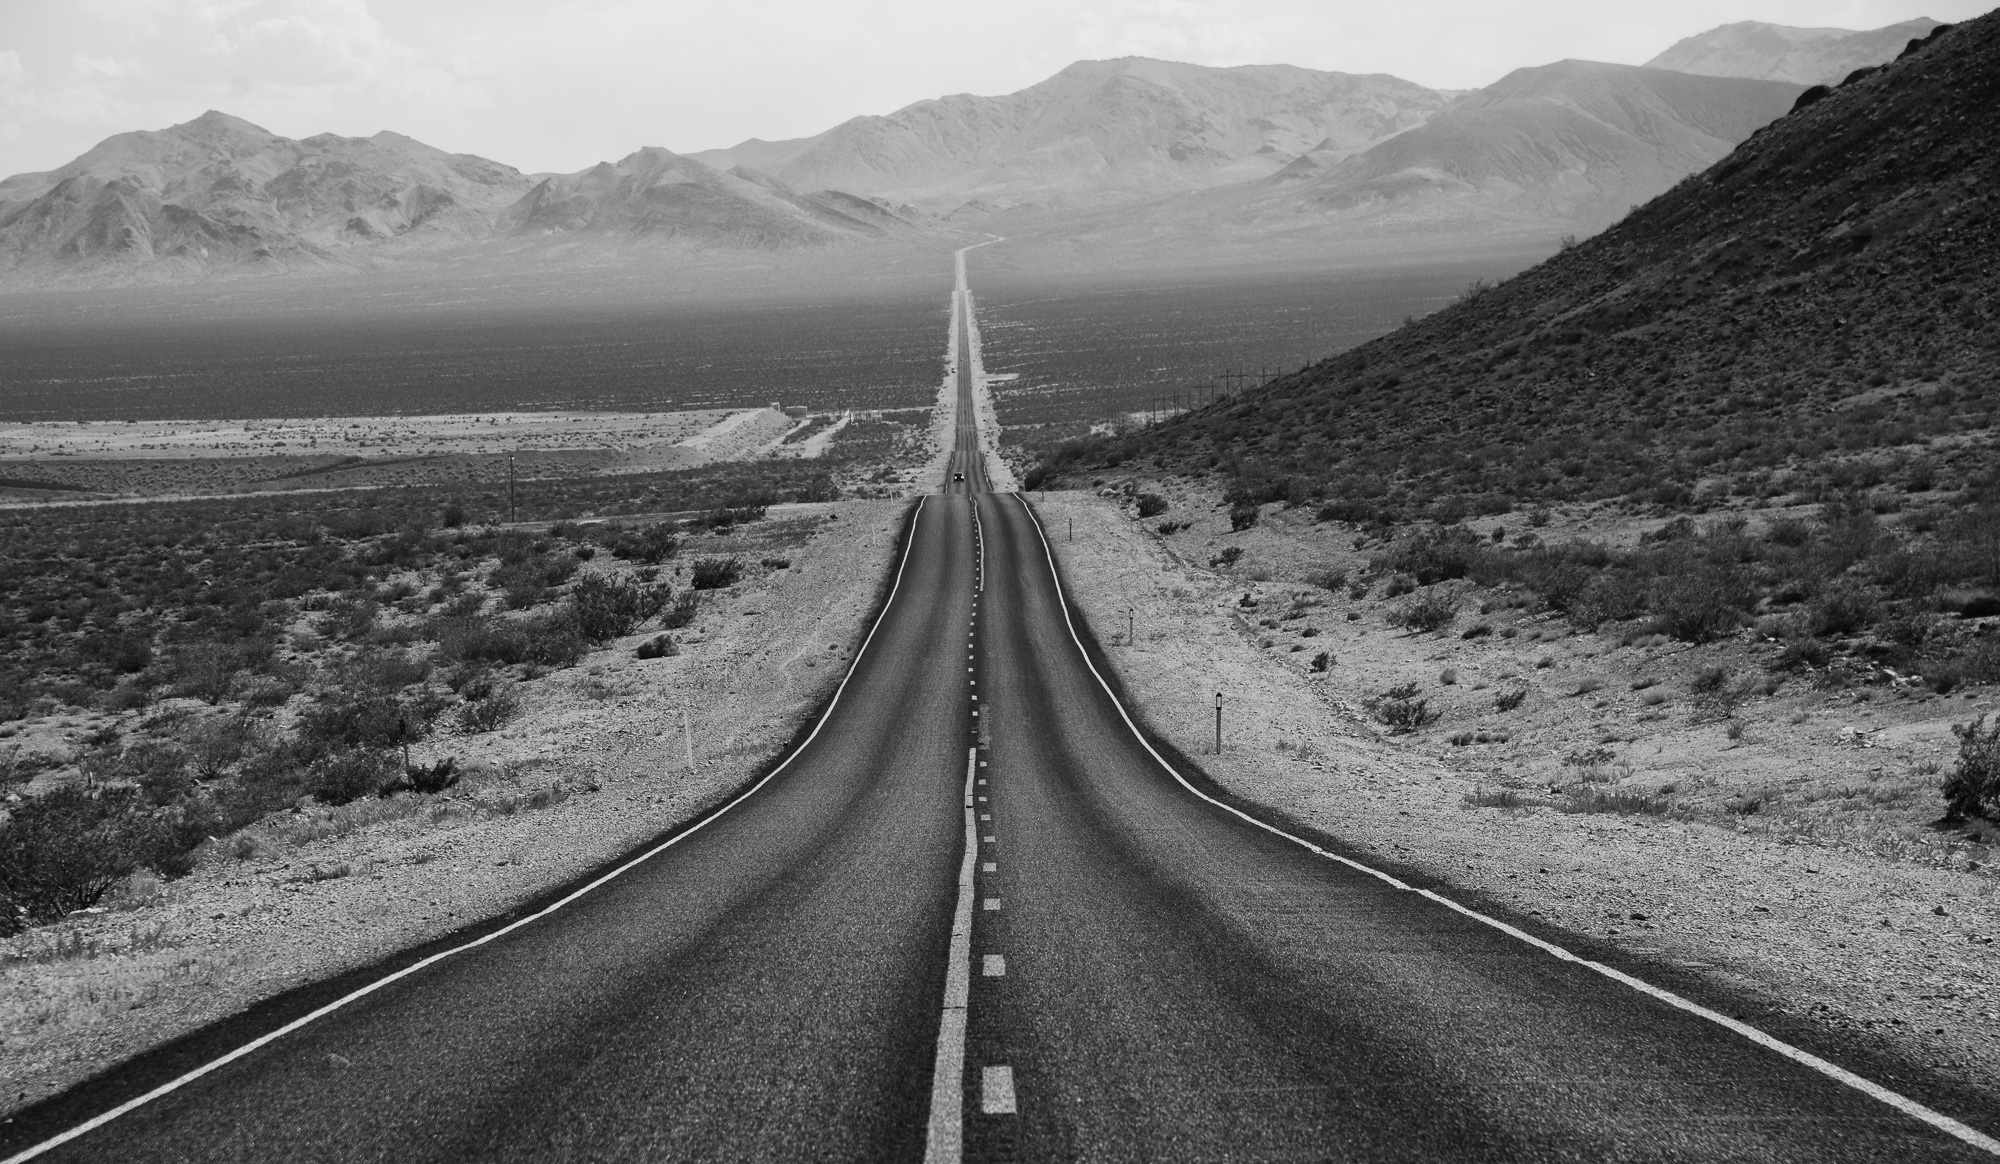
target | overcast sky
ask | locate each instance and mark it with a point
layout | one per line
(562, 84)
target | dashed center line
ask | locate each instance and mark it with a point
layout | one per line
(992, 903)
(989, 867)
(993, 966)
(996, 1090)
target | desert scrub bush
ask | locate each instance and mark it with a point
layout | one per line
(63, 850)
(1431, 557)
(424, 779)
(1322, 662)
(1844, 610)
(682, 611)
(715, 573)
(545, 641)
(491, 712)
(1973, 787)
(1327, 578)
(1509, 700)
(1151, 505)
(529, 579)
(1615, 800)
(1697, 600)
(1407, 715)
(649, 546)
(1242, 516)
(339, 777)
(657, 647)
(1229, 556)
(343, 721)
(1483, 797)
(602, 609)
(1429, 611)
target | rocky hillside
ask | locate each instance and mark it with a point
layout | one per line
(219, 195)
(1818, 314)
(1775, 52)
(1096, 131)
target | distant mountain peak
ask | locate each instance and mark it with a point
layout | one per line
(1098, 131)
(1777, 52)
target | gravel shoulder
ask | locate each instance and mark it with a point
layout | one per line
(596, 764)
(1835, 908)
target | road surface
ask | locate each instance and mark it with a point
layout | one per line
(1137, 973)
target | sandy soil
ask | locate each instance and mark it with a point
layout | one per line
(351, 436)
(999, 474)
(1830, 902)
(594, 766)
(152, 458)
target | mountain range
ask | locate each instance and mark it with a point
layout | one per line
(1121, 153)
(1803, 56)
(1100, 131)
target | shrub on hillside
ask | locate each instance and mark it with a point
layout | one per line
(341, 722)
(1697, 601)
(602, 609)
(682, 612)
(489, 712)
(1432, 556)
(1242, 516)
(715, 573)
(546, 641)
(343, 776)
(1151, 505)
(1973, 788)
(63, 850)
(1429, 611)
(1406, 715)
(650, 546)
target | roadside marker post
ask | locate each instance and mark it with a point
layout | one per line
(1218, 723)
(687, 739)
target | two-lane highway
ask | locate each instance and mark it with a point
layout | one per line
(977, 916)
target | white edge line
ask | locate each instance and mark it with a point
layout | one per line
(172, 1085)
(944, 1140)
(1902, 1103)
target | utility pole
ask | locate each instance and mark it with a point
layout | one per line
(1072, 528)
(513, 510)
(1218, 723)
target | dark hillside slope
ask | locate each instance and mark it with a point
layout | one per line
(1816, 313)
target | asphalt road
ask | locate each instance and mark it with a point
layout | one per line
(1151, 977)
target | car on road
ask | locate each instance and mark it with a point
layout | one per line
(958, 476)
